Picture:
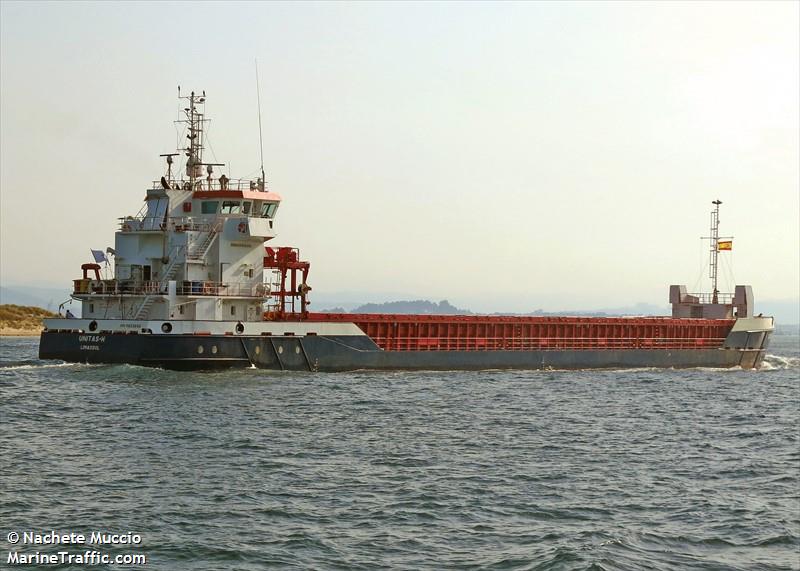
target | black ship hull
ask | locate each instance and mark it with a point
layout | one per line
(347, 352)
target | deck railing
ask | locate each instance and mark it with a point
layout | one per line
(160, 224)
(216, 184)
(723, 298)
(186, 288)
(230, 289)
(541, 343)
(176, 223)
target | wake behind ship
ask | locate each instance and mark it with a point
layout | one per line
(194, 286)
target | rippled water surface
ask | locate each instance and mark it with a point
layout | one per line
(636, 469)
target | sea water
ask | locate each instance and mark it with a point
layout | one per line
(612, 469)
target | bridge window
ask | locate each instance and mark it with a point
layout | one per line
(209, 207)
(246, 207)
(231, 207)
(268, 209)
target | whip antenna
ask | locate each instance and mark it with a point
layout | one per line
(260, 131)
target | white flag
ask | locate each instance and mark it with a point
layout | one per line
(99, 256)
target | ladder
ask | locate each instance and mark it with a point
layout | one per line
(144, 308)
(199, 250)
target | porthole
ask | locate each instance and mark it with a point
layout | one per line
(280, 349)
(214, 349)
(93, 326)
(258, 350)
(166, 327)
(297, 350)
(240, 327)
(199, 349)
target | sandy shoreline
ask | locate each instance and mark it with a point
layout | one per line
(11, 332)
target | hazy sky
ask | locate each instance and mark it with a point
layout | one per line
(502, 156)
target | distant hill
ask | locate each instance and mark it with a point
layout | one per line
(46, 298)
(444, 307)
(638, 309)
(785, 311)
(417, 307)
(22, 320)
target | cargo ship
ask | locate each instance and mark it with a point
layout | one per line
(194, 283)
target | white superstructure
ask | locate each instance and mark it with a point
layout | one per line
(196, 249)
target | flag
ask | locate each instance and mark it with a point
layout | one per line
(99, 256)
(724, 245)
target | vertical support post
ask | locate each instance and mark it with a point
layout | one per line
(714, 251)
(293, 283)
(192, 141)
(283, 271)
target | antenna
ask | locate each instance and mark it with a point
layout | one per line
(714, 245)
(260, 130)
(714, 248)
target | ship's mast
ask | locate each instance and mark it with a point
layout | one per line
(194, 151)
(713, 263)
(195, 121)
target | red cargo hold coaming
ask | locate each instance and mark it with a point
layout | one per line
(516, 333)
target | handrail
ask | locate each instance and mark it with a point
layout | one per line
(229, 289)
(707, 298)
(190, 223)
(542, 343)
(200, 244)
(178, 223)
(216, 184)
(184, 288)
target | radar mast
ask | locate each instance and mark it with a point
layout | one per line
(714, 246)
(195, 121)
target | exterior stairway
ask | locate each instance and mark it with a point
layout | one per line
(196, 254)
(198, 251)
(144, 308)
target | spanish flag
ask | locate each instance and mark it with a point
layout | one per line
(724, 245)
